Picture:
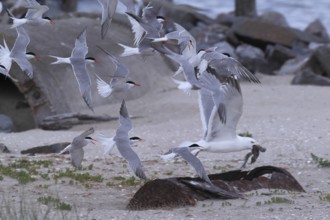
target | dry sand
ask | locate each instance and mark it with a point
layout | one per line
(290, 121)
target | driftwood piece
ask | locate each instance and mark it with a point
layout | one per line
(46, 149)
(182, 191)
(67, 120)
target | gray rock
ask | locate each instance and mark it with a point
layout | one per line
(225, 47)
(317, 28)
(261, 34)
(293, 66)
(208, 35)
(54, 90)
(4, 148)
(253, 58)
(322, 54)
(46, 149)
(274, 17)
(6, 124)
(308, 77)
(277, 55)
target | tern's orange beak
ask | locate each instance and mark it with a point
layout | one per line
(136, 84)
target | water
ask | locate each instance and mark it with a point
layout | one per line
(299, 13)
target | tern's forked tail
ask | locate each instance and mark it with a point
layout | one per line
(129, 51)
(60, 60)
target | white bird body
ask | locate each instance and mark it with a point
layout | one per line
(33, 15)
(78, 63)
(226, 146)
(17, 53)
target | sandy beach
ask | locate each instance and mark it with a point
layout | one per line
(290, 121)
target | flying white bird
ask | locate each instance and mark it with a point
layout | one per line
(33, 15)
(76, 147)
(108, 10)
(18, 53)
(78, 62)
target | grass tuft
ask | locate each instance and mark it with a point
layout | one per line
(320, 161)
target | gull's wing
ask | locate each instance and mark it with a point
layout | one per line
(123, 143)
(78, 63)
(185, 153)
(213, 85)
(108, 10)
(206, 106)
(224, 66)
(234, 108)
(77, 155)
(18, 52)
(121, 69)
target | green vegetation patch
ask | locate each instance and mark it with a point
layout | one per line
(320, 161)
(122, 181)
(325, 198)
(279, 200)
(245, 134)
(20, 175)
(23, 169)
(80, 177)
(54, 202)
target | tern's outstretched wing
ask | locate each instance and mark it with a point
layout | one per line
(108, 10)
(121, 69)
(18, 52)
(123, 143)
(185, 153)
(234, 108)
(78, 63)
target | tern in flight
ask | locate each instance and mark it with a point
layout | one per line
(18, 53)
(108, 10)
(33, 15)
(78, 61)
(76, 147)
(145, 28)
(115, 85)
(123, 143)
(185, 153)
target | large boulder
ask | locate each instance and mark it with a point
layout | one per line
(54, 90)
(308, 77)
(261, 34)
(6, 124)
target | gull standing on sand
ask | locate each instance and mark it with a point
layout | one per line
(76, 147)
(33, 15)
(78, 62)
(18, 53)
(108, 10)
(122, 142)
(115, 85)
